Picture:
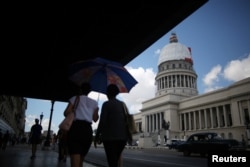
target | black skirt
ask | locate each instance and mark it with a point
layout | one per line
(80, 137)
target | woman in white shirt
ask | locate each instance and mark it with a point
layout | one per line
(80, 133)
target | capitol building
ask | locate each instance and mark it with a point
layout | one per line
(177, 110)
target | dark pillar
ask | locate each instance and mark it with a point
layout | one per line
(47, 141)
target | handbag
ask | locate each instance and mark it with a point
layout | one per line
(68, 120)
(130, 120)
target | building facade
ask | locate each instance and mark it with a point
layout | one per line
(12, 114)
(177, 111)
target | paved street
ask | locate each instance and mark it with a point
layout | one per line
(19, 156)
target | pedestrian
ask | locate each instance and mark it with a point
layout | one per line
(54, 141)
(62, 145)
(35, 137)
(80, 135)
(112, 127)
(6, 138)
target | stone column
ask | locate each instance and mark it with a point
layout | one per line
(184, 80)
(172, 81)
(152, 122)
(181, 81)
(218, 116)
(180, 121)
(212, 118)
(189, 121)
(225, 115)
(194, 120)
(160, 120)
(200, 124)
(185, 122)
(205, 117)
(146, 124)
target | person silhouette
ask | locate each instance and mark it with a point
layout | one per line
(35, 137)
(80, 134)
(6, 138)
(112, 127)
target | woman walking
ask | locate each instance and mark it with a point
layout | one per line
(80, 133)
(112, 127)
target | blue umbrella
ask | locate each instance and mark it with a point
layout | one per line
(100, 73)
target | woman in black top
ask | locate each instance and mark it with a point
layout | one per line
(112, 127)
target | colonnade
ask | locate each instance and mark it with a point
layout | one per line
(178, 80)
(154, 121)
(214, 117)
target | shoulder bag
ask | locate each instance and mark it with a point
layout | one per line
(68, 120)
(130, 120)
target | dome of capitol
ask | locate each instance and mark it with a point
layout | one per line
(174, 51)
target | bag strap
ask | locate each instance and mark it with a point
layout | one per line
(126, 113)
(76, 103)
(125, 109)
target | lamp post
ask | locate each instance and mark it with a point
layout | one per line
(47, 141)
(41, 118)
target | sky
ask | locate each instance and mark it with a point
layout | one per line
(219, 36)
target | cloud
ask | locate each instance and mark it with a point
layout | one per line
(144, 90)
(213, 76)
(237, 70)
(209, 89)
(158, 51)
(29, 121)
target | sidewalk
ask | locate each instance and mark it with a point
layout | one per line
(19, 156)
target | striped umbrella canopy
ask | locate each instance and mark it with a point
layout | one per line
(100, 73)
